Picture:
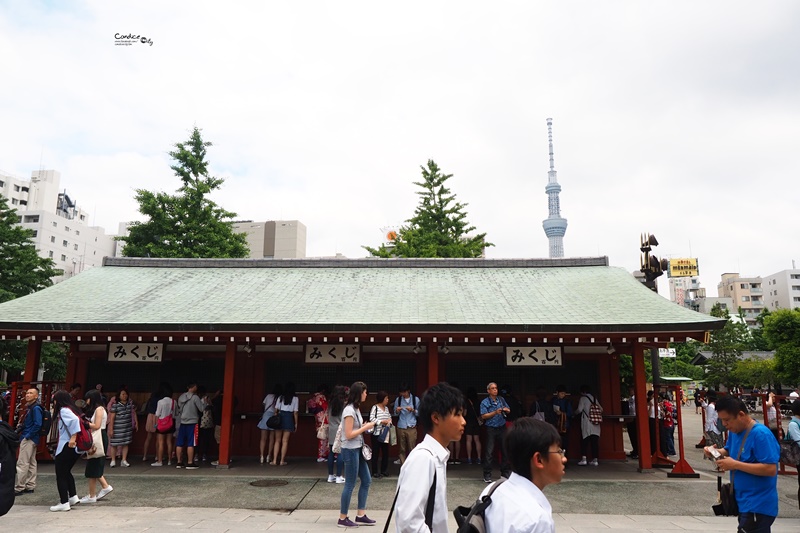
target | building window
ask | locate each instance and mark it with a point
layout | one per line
(30, 219)
(744, 298)
(796, 287)
(52, 238)
(66, 228)
(63, 257)
(24, 189)
(795, 276)
(76, 247)
(77, 232)
(83, 217)
(50, 254)
(14, 201)
(2, 184)
(23, 202)
(65, 243)
(797, 299)
(55, 224)
(16, 188)
(35, 233)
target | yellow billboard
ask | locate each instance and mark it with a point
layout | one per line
(682, 268)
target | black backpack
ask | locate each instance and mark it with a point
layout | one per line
(472, 519)
(47, 421)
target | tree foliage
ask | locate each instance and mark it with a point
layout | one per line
(189, 223)
(782, 331)
(726, 346)
(53, 357)
(22, 271)
(439, 227)
(755, 372)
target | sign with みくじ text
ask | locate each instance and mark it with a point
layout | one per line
(533, 356)
(131, 352)
(333, 353)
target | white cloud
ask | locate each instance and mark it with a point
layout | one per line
(680, 119)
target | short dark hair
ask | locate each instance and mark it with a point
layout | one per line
(796, 408)
(404, 387)
(76, 386)
(731, 405)
(441, 398)
(382, 394)
(526, 437)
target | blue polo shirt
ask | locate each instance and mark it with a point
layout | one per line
(488, 405)
(755, 494)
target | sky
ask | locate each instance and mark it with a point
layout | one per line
(681, 119)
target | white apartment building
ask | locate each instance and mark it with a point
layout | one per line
(61, 229)
(685, 290)
(782, 290)
(274, 239)
(746, 292)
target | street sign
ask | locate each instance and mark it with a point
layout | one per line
(666, 352)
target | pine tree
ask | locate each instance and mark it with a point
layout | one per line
(439, 227)
(187, 224)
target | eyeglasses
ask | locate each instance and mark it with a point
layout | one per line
(562, 452)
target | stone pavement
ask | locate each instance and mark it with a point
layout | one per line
(221, 520)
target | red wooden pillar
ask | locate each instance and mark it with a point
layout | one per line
(640, 390)
(433, 364)
(33, 359)
(227, 406)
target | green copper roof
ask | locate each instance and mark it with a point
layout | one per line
(351, 295)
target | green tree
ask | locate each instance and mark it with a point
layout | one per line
(439, 227)
(726, 346)
(189, 223)
(782, 331)
(23, 272)
(758, 342)
(755, 372)
(53, 357)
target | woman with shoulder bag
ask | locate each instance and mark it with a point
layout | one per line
(68, 418)
(334, 416)
(355, 464)
(96, 465)
(165, 425)
(380, 415)
(268, 433)
(287, 407)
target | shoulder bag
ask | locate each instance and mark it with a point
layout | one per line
(726, 496)
(790, 450)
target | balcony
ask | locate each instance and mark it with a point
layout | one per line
(756, 290)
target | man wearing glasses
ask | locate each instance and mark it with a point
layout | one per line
(494, 411)
(537, 460)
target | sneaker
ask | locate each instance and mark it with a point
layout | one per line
(582, 462)
(343, 522)
(169, 463)
(477, 461)
(124, 463)
(104, 491)
(487, 478)
(60, 507)
(331, 479)
(340, 480)
(192, 466)
(321, 459)
(398, 462)
(88, 499)
(365, 521)
(469, 461)
(456, 462)
(157, 463)
(214, 463)
(113, 463)
(594, 462)
(74, 500)
(178, 465)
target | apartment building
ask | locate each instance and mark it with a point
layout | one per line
(745, 292)
(61, 229)
(274, 239)
(782, 290)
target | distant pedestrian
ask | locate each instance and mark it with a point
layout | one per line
(473, 428)
(317, 405)
(166, 411)
(631, 425)
(668, 416)
(29, 441)
(380, 435)
(441, 417)
(335, 407)
(355, 464)
(150, 422)
(122, 424)
(95, 467)
(267, 442)
(494, 411)
(590, 426)
(537, 460)
(405, 408)
(190, 407)
(562, 407)
(286, 408)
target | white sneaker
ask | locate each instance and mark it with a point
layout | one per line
(340, 479)
(582, 462)
(157, 463)
(74, 500)
(60, 507)
(124, 463)
(104, 491)
(331, 479)
(214, 463)
(398, 462)
(88, 499)
(113, 463)
(594, 462)
(321, 459)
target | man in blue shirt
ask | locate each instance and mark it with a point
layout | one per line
(405, 408)
(753, 466)
(494, 410)
(29, 441)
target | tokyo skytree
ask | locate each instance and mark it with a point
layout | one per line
(554, 225)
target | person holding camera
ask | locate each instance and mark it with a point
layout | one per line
(494, 411)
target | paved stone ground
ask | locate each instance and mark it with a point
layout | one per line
(611, 497)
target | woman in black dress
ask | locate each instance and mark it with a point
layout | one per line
(472, 431)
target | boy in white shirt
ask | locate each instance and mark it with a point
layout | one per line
(537, 460)
(440, 415)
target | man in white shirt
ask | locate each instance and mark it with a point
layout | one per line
(537, 460)
(440, 415)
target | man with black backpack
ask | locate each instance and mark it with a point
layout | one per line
(30, 430)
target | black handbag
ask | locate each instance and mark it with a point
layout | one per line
(726, 494)
(274, 422)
